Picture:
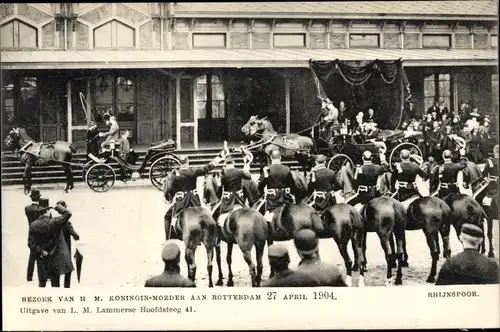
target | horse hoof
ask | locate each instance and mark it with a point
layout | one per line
(491, 255)
(211, 285)
(398, 282)
(355, 267)
(219, 283)
(230, 283)
(389, 283)
(405, 264)
(431, 280)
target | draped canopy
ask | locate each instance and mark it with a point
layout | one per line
(380, 84)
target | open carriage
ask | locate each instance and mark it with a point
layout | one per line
(100, 176)
(343, 148)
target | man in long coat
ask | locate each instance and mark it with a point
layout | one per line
(32, 212)
(68, 233)
(47, 241)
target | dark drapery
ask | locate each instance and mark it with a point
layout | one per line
(381, 85)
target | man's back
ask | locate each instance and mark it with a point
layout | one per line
(169, 279)
(324, 274)
(280, 176)
(326, 179)
(467, 268)
(368, 174)
(232, 178)
(31, 212)
(290, 278)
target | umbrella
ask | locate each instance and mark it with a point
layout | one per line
(78, 259)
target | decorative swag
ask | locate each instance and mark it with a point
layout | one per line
(381, 85)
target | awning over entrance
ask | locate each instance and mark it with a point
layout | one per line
(236, 58)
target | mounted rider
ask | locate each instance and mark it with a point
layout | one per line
(280, 186)
(183, 187)
(405, 174)
(448, 174)
(232, 191)
(490, 186)
(323, 185)
(366, 178)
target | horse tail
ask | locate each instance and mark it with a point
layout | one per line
(356, 217)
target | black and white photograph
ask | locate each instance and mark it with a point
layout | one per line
(249, 145)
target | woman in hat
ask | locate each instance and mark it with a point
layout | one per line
(472, 123)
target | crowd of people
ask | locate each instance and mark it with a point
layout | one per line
(437, 129)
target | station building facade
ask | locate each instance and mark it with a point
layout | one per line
(196, 72)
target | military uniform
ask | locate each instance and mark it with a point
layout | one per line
(280, 186)
(366, 177)
(405, 174)
(323, 186)
(491, 173)
(183, 187)
(232, 191)
(448, 173)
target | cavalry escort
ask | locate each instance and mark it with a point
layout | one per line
(448, 174)
(322, 185)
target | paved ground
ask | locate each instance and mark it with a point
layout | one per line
(122, 236)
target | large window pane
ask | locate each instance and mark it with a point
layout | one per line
(201, 96)
(436, 41)
(103, 95)
(125, 35)
(363, 40)
(125, 94)
(217, 98)
(289, 40)
(8, 100)
(78, 117)
(429, 92)
(209, 40)
(7, 35)
(27, 36)
(186, 100)
(29, 108)
(103, 35)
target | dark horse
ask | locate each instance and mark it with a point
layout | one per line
(33, 153)
(245, 227)
(431, 215)
(195, 225)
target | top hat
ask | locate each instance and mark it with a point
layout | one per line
(474, 114)
(43, 204)
(35, 193)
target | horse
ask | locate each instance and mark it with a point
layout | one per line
(244, 226)
(195, 225)
(290, 145)
(431, 215)
(32, 153)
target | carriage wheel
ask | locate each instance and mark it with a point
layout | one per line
(415, 154)
(339, 160)
(100, 177)
(160, 168)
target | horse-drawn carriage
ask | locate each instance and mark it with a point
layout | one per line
(342, 149)
(100, 176)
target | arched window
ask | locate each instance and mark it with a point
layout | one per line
(210, 97)
(114, 34)
(17, 34)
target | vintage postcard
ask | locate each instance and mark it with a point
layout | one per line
(262, 165)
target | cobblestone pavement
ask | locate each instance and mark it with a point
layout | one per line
(122, 236)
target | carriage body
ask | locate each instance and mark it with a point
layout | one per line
(100, 176)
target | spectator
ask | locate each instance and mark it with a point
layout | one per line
(469, 267)
(171, 276)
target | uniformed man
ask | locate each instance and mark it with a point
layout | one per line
(469, 267)
(365, 179)
(283, 276)
(280, 185)
(32, 212)
(112, 134)
(448, 173)
(324, 275)
(232, 192)
(183, 187)
(405, 174)
(171, 276)
(329, 115)
(323, 184)
(490, 172)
